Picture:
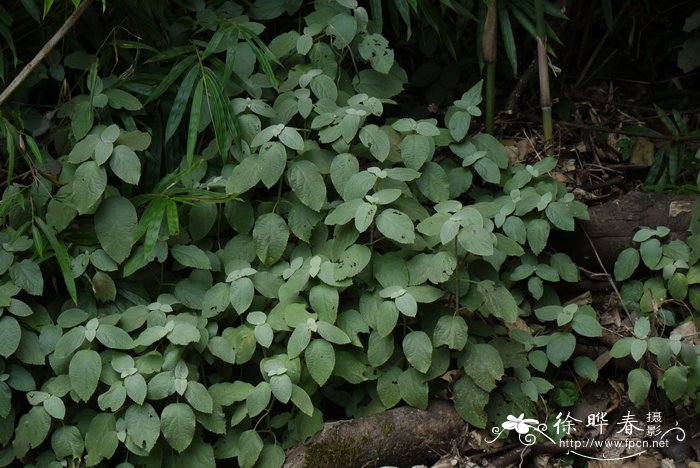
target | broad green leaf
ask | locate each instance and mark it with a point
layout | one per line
(352, 262)
(379, 349)
(84, 372)
(484, 365)
(320, 360)
(307, 184)
(413, 389)
(638, 384)
(27, 275)
(281, 386)
(100, 438)
(675, 382)
(388, 387)
(270, 235)
(10, 335)
(470, 401)
(537, 235)
(136, 388)
(651, 252)
(560, 347)
(250, 445)
(416, 150)
(241, 294)
(396, 225)
(142, 426)
(103, 287)
(324, 301)
(343, 167)
(332, 333)
(302, 401)
(125, 164)
(191, 256)
(626, 263)
(586, 325)
(258, 399)
(364, 215)
(586, 368)
(418, 349)
(433, 183)
(89, 184)
(177, 422)
(31, 430)
(273, 160)
(451, 330)
(202, 218)
(499, 301)
(67, 442)
(291, 138)
(113, 337)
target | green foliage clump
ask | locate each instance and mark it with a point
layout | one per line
(239, 242)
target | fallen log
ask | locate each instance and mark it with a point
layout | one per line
(613, 224)
(397, 437)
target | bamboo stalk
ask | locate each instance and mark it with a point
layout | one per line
(543, 68)
(44, 51)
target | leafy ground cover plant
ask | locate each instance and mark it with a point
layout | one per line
(240, 243)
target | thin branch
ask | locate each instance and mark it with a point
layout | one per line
(41, 55)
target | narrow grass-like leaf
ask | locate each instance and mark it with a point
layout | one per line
(195, 115)
(175, 72)
(62, 258)
(508, 38)
(181, 99)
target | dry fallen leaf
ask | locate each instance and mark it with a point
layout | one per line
(643, 152)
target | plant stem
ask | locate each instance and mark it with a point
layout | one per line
(490, 96)
(545, 98)
(44, 51)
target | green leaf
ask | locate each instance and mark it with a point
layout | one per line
(379, 349)
(103, 287)
(484, 365)
(638, 384)
(678, 286)
(142, 426)
(332, 333)
(413, 389)
(586, 368)
(67, 442)
(273, 160)
(626, 264)
(458, 124)
(31, 430)
(434, 183)
(272, 456)
(10, 335)
(451, 330)
(560, 215)
(352, 261)
(250, 445)
(27, 275)
(281, 386)
(388, 387)
(586, 325)
(125, 164)
(560, 347)
(136, 388)
(320, 360)
(258, 399)
(416, 150)
(191, 256)
(675, 382)
(396, 225)
(241, 294)
(470, 402)
(302, 401)
(270, 235)
(100, 438)
(89, 184)
(651, 252)
(113, 337)
(84, 372)
(418, 350)
(499, 301)
(307, 184)
(119, 99)
(537, 235)
(177, 422)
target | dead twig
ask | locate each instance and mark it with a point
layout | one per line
(44, 51)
